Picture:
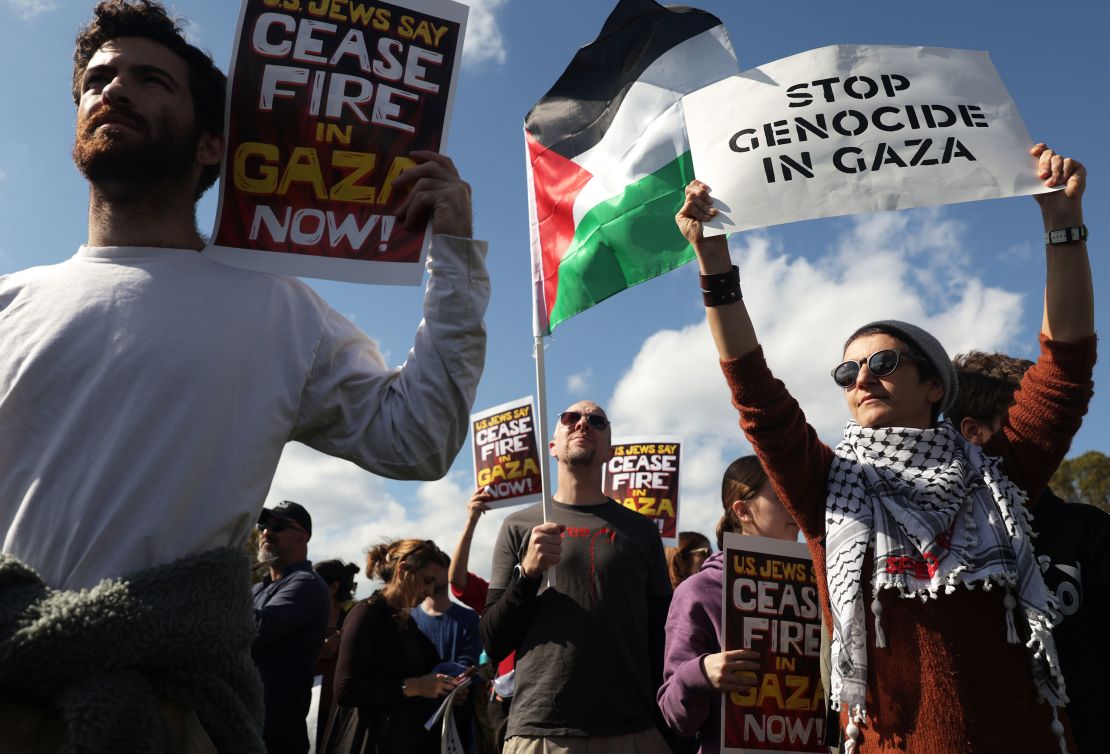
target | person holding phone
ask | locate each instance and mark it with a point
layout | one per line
(386, 684)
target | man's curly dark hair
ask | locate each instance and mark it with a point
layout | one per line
(987, 385)
(142, 18)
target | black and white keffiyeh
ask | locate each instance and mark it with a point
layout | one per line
(938, 513)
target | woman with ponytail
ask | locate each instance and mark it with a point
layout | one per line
(686, 559)
(695, 670)
(385, 685)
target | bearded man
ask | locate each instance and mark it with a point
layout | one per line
(589, 651)
(146, 394)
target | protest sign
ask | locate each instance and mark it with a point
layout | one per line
(506, 454)
(643, 475)
(770, 604)
(857, 128)
(326, 99)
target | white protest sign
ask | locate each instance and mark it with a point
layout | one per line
(857, 128)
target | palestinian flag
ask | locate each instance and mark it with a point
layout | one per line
(608, 158)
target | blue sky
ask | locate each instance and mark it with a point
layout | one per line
(971, 273)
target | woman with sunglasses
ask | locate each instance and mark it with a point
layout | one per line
(695, 670)
(385, 685)
(904, 507)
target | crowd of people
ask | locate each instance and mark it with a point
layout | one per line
(139, 437)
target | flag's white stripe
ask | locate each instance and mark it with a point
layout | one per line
(647, 131)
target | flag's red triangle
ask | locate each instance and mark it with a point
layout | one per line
(556, 182)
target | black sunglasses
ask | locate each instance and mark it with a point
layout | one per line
(277, 525)
(881, 363)
(596, 421)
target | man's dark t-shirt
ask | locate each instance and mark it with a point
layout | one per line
(1073, 546)
(291, 615)
(589, 651)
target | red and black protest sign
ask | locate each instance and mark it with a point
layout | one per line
(327, 98)
(643, 475)
(770, 604)
(506, 454)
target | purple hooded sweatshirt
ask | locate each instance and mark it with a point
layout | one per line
(688, 702)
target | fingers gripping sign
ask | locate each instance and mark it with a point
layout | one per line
(696, 209)
(545, 547)
(731, 670)
(1057, 170)
(435, 193)
(478, 504)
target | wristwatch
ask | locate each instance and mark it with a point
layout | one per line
(1065, 235)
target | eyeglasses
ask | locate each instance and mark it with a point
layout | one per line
(596, 421)
(881, 363)
(275, 524)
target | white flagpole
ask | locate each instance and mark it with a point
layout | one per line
(542, 439)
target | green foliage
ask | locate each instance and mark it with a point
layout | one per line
(1084, 479)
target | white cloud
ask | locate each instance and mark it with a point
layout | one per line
(484, 41)
(1020, 253)
(194, 32)
(28, 9)
(907, 266)
(352, 509)
(580, 382)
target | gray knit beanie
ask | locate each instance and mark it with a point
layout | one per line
(926, 345)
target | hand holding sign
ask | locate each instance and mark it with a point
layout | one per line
(477, 505)
(1060, 208)
(731, 670)
(697, 209)
(435, 189)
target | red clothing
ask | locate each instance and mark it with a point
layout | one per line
(474, 597)
(948, 680)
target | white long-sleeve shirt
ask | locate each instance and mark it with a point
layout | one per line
(146, 395)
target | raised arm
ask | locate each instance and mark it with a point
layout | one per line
(408, 422)
(460, 561)
(795, 459)
(730, 325)
(1049, 406)
(1069, 300)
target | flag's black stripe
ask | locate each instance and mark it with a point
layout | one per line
(576, 112)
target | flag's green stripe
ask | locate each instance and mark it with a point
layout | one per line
(624, 241)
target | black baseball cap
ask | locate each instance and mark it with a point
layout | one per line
(287, 510)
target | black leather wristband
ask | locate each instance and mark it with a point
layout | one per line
(722, 288)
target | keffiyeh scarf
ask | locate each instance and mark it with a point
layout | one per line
(938, 513)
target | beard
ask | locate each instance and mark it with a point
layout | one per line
(128, 165)
(264, 552)
(580, 456)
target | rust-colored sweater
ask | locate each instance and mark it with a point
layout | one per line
(948, 682)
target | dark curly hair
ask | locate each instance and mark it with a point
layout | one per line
(143, 18)
(987, 385)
